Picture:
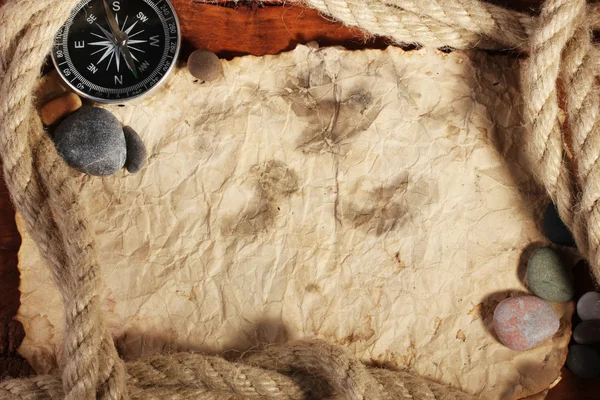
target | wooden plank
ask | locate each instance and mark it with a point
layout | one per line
(259, 30)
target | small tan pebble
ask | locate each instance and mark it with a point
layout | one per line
(204, 65)
(49, 87)
(59, 108)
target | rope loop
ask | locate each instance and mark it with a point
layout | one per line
(45, 192)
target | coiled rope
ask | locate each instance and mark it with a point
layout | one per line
(46, 193)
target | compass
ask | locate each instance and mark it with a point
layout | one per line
(110, 51)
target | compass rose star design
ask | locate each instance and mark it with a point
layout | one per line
(110, 49)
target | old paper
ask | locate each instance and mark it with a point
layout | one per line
(376, 199)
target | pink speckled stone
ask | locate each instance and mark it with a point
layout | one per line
(522, 322)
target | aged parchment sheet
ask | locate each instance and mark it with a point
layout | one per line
(377, 199)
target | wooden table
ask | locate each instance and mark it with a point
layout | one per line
(230, 31)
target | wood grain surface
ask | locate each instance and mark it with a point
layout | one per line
(230, 30)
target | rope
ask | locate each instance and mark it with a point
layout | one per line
(46, 192)
(557, 21)
(195, 376)
(461, 24)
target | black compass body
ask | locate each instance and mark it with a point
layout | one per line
(116, 50)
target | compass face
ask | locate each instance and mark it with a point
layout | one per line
(115, 50)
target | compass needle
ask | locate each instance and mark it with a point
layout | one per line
(114, 26)
(107, 34)
(118, 58)
(129, 60)
(114, 50)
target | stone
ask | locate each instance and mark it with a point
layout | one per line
(59, 107)
(583, 361)
(204, 65)
(587, 332)
(555, 230)
(524, 321)
(136, 150)
(547, 276)
(583, 278)
(588, 306)
(91, 140)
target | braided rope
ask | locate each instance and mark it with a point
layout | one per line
(462, 24)
(45, 191)
(580, 73)
(292, 371)
(557, 21)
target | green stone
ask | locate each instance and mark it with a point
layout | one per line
(548, 278)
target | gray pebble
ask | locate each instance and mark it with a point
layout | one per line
(587, 332)
(588, 306)
(204, 65)
(583, 361)
(136, 150)
(548, 278)
(91, 141)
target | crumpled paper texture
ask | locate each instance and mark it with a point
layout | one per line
(376, 199)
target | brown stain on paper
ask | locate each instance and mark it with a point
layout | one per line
(401, 265)
(409, 355)
(393, 361)
(436, 325)
(41, 329)
(312, 288)
(387, 360)
(379, 209)
(333, 123)
(315, 75)
(273, 181)
(363, 333)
